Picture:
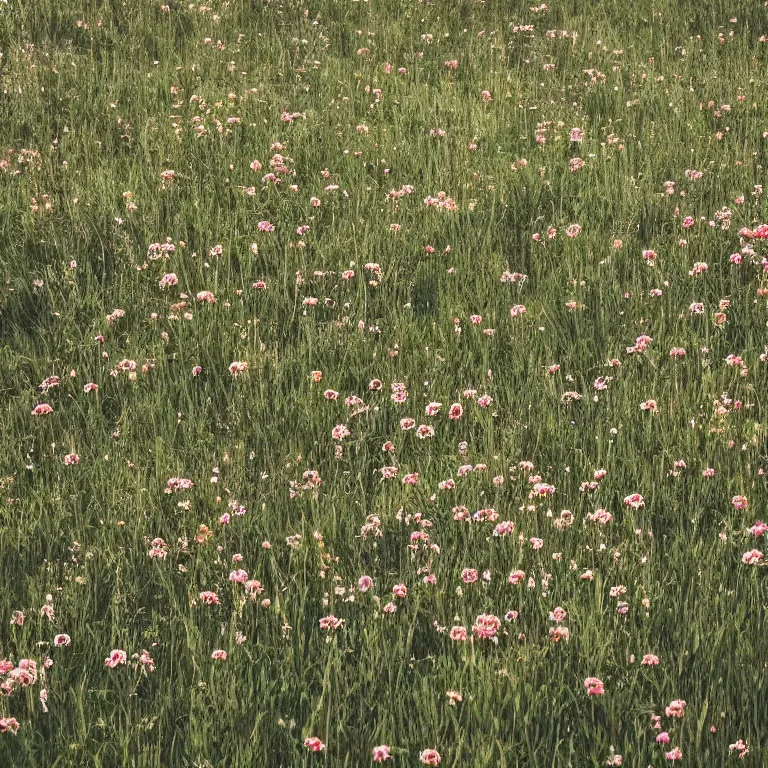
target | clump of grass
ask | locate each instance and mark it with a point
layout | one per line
(382, 382)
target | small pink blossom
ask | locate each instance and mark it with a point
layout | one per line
(116, 657)
(634, 500)
(594, 686)
(486, 626)
(314, 744)
(675, 708)
(753, 557)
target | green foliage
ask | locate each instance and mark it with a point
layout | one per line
(425, 203)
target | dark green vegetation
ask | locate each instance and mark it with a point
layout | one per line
(100, 101)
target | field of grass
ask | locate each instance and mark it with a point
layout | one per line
(383, 381)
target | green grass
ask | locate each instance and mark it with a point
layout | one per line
(100, 98)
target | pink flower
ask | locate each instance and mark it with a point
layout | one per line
(458, 633)
(169, 279)
(399, 590)
(9, 724)
(698, 268)
(739, 747)
(486, 626)
(758, 529)
(516, 577)
(634, 500)
(594, 686)
(455, 411)
(430, 757)
(650, 659)
(602, 516)
(265, 226)
(239, 576)
(469, 575)
(145, 660)
(739, 502)
(340, 431)
(676, 708)
(674, 754)
(313, 743)
(559, 633)
(662, 738)
(116, 657)
(62, 640)
(219, 655)
(330, 622)
(559, 615)
(364, 583)
(753, 557)
(209, 598)
(573, 230)
(381, 753)
(43, 409)
(237, 367)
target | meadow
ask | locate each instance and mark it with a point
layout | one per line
(382, 381)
